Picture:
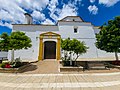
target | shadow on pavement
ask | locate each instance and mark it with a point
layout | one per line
(30, 68)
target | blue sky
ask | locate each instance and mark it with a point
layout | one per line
(50, 11)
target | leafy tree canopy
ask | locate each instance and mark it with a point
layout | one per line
(4, 42)
(74, 46)
(108, 39)
(17, 40)
(78, 47)
(20, 41)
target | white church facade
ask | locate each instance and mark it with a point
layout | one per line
(46, 39)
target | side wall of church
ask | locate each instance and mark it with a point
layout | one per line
(86, 33)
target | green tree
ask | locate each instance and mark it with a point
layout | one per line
(74, 46)
(65, 45)
(18, 40)
(108, 39)
(78, 48)
(4, 42)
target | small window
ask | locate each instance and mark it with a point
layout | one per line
(73, 19)
(75, 29)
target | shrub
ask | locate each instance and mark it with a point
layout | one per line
(2, 65)
(5, 65)
(65, 62)
(17, 64)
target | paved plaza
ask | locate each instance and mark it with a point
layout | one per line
(104, 81)
(46, 76)
(43, 67)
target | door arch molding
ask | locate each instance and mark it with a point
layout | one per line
(49, 35)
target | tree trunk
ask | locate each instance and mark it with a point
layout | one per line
(65, 55)
(76, 59)
(116, 56)
(12, 55)
(70, 59)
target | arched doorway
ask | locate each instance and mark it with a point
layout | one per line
(51, 36)
(49, 50)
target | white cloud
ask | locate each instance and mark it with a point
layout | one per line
(67, 10)
(4, 15)
(93, 9)
(52, 5)
(32, 4)
(108, 3)
(6, 24)
(92, 1)
(47, 21)
(38, 15)
(10, 11)
(13, 10)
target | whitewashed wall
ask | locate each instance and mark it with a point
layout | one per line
(86, 33)
(32, 31)
(28, 54)
(3, 54)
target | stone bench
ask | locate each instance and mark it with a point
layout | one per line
(96, 65)
(70, 69)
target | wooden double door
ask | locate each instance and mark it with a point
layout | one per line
(49, 50)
